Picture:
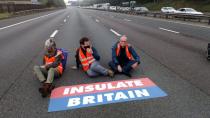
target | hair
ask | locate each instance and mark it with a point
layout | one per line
(50, 43)
(83, 40)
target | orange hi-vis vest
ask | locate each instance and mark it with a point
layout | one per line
(49, 60)
(128, 54)
(86, 60)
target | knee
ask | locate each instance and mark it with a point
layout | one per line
(52, 69)
(135, 65)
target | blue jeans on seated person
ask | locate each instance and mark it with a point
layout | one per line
(96, 69)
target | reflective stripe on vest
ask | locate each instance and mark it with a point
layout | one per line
(128, 54)
(49, 60)
(85, 60)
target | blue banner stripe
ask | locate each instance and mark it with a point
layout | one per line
(58, 104)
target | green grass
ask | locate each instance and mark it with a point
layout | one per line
(199, 6)
(4, 15)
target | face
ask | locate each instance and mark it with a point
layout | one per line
(123, 43)
(86, 45)
(50, 50)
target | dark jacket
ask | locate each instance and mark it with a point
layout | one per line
(55, 64)
(131, 50)
(95, 55)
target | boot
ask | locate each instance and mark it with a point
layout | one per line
(110, 73)
(46, 89)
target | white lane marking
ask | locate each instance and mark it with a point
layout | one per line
(179, 22)
(97, 20)
(53, 34)
(116, 33)
(127, 20)
(168, 30)
(25, 21)
(68, 16)
(64, 20)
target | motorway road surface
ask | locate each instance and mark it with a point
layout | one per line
(172, 56)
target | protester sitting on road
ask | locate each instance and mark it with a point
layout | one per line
(124, 57)
(51, 68)
(87, 57)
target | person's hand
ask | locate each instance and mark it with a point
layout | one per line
(43, 66)
(135, 65)
(90, 50)
(119, 68)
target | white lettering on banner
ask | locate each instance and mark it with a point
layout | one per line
(110, 86)
(130, 83)
(120, 95)
(131, 95)
(66, 91)
(144, 92)
(100, 98)
(121, 85)
(101, 87)
(73, 102)
(77, 90)
(88, 100)
(138, 83)
(109, 97)
(89, 88)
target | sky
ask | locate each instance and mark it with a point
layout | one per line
(66, 1)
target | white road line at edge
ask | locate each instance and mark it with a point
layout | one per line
(127, 20)
(168, 30)
(25, 21)
(179, 22)
(115, 32)
(54, 33)
(97, 20)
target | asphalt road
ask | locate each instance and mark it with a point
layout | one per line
(172, 55)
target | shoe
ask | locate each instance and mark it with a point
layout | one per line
(110, 73)
(43, 92)
(46, 89)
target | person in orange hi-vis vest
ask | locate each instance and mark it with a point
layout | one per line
(51, 68)
(124, 57)
(87, 57)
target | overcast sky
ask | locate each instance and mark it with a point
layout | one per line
(66, 1)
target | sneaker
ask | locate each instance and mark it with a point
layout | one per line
(110, 73)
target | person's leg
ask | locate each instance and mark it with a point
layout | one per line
(47, 86)
(96, 67)
(113, 66)
(92, 73)
(128, 67)
(52, 73)
(40, 73)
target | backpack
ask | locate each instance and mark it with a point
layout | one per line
(65, 55)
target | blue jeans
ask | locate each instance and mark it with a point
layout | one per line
(96, 69)
(125, 69)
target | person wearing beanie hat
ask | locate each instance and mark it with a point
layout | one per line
(51, 68)
(124, 57)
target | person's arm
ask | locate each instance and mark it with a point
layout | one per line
(55, 64)
(95, 54)
(134, 54)
(77, 59)
(114, 56)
